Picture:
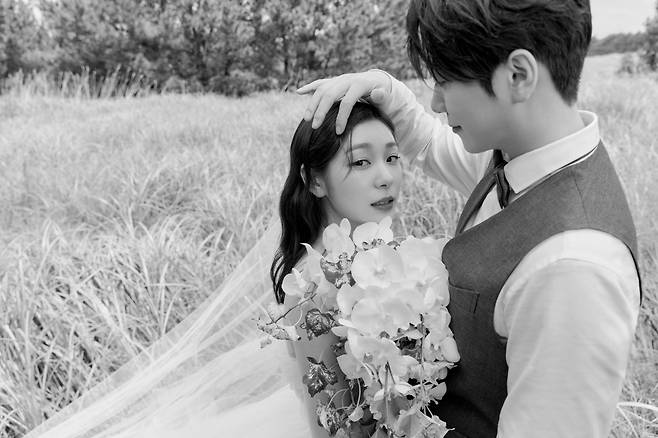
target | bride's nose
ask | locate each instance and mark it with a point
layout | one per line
(384, 176)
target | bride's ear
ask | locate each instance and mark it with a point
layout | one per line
(316, 186)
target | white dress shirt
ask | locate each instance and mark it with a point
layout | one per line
(568, 310)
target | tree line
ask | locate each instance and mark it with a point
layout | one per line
(618, 43)
(225, 46)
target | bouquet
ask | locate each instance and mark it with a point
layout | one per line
(385, 301)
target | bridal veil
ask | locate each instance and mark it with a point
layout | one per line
(207, 377)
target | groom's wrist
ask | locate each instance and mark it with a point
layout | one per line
(387, 81)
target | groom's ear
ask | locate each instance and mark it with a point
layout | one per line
(521, 74)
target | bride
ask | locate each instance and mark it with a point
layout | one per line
(208, 377)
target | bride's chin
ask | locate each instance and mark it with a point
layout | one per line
(377, 218)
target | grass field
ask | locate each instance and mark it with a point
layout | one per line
(117, 217)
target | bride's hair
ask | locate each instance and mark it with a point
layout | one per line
(302, 217)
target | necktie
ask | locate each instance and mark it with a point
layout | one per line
(502, 186)
(494, 176)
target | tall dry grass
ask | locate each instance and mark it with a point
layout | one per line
(117, 217)
(84, 85)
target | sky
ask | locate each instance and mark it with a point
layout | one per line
(620, 16)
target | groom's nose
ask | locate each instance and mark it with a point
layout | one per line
(438, 102)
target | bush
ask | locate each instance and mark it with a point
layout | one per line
(240, 83)
(632, 63)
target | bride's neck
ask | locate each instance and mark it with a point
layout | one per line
(318, 245)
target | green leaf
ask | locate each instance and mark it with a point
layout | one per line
(318, 376)
(317, 323)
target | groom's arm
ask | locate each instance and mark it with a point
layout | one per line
(568, 312)
(429, 143)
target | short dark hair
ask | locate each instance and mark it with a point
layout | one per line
(466, 40)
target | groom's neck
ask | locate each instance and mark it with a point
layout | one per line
(542, 120)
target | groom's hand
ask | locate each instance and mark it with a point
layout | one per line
(348, 88)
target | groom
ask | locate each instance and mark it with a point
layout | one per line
(543, 276)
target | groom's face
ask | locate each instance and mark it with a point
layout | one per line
(473, 114)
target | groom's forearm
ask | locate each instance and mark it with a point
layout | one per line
(430, 144)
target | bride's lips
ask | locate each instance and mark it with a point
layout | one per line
(385, 203)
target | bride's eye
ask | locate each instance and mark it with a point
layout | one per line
(393, 159)
(360, 163)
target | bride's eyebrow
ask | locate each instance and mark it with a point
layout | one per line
(367, 145)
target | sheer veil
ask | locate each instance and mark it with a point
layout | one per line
(206, 366)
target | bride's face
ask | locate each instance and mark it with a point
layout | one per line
(362, 181)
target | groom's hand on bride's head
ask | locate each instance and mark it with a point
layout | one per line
(348, 88)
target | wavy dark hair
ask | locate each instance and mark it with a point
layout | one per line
(301, 213)
(466, 40)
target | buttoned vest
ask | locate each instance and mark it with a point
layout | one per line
(479, 260)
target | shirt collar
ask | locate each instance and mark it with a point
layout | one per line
(527, 169)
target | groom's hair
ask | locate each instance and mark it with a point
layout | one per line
(466, 40)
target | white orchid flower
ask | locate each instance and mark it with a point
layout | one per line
(370, 234)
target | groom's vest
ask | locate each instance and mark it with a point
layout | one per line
(479, 260)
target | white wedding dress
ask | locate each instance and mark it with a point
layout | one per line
(208, 377)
